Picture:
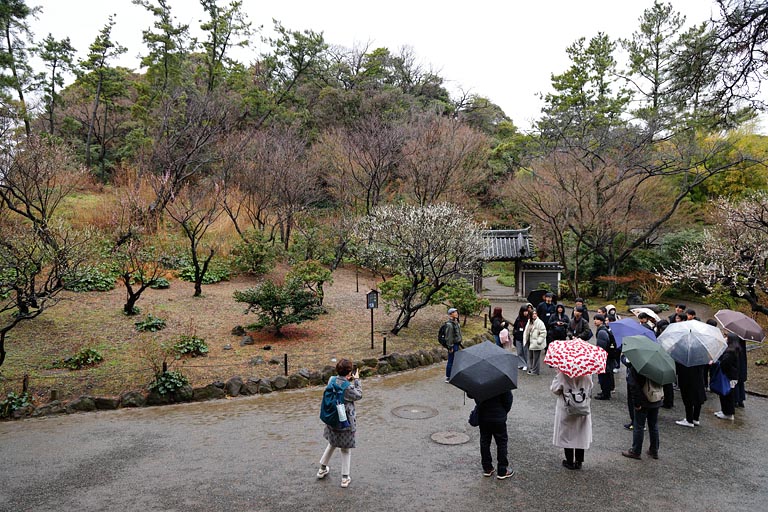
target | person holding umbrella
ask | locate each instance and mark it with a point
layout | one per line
(487, 373)
(729, 365)
(576, 361)
(651, 367)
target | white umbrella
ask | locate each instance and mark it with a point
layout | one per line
(693, 343)
(651, 313)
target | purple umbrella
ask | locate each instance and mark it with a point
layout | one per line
(629, 327)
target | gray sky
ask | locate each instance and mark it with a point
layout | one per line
(505, 51)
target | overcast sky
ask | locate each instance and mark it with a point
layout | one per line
(505, 51)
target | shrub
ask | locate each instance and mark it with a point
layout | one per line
(191, 345)
(86, 357)
(168, 382)
(14, 402)
(150, 324)
(91, 279)
(254, 254)
(160, 283)
(217, 271)
(278, 306)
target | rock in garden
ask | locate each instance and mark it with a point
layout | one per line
(265, 386)
(208, 392)
(275, 360)
(371, 362)
(304, 372)
(238, 330)
(367, 372)
(228, 346)
(257, 361)
(155, 398)
(384, 368)
(246, 340)
(54, 407)
(280, 382)
(327, 372)
(133, 399)
(104, 403)
(233, 386)
(250, 387)
(266, 347)
(84, 403)
(22, 412)
(316, 378)
(297, 381)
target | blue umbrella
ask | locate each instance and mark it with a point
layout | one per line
(629, 327)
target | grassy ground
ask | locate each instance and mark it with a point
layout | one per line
(95, 320)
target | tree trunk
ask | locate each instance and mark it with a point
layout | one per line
(92, 122)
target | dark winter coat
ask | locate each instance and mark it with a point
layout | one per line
(496, 325)
(546, 312)
(579, 329)
(690, 380)
(742, 361)
(495, 409)
(635, 383)
(518, 328)
(729, 364)
(559, 332)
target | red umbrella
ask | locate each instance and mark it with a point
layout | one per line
(576, 357)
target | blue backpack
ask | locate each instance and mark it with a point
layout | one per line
(332, 397)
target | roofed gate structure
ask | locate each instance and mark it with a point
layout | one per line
(516, 245)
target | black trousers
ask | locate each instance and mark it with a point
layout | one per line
(497, 432)
(669, 395)
(569, 454)
(727, 403)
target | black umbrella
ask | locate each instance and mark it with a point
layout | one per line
(536, 297)
(484, 370)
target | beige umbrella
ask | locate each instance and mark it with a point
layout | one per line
(651, 313)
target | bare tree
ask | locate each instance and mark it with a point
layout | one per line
(443, 159)
(362, 158)
(195, 209)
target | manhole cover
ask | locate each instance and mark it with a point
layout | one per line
(414, 412)
(450, 437)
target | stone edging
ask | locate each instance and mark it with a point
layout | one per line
(236, 386)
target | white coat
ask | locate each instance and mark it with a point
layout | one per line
(571, 431)
(535, 335)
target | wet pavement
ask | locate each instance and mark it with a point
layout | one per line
(260, 453)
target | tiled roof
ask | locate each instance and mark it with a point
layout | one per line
(507, 244)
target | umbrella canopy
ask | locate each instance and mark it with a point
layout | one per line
(629, 327)
(740, 324)
(484, 370)
(693, 343)
(651, 313)
(536, 297)
(576, 357)
(649, 359)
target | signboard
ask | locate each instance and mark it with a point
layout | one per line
(372, 299)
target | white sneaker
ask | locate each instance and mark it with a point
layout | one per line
(696, 422)
(684, 423)
(724, 416)
(345, 480)
(324, 470)
(525, 368)
(615, 370)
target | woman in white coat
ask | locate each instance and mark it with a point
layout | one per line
(536, 341)
(573, 432)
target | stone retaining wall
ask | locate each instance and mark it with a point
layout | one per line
(238, 386)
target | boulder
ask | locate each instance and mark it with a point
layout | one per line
(234, 385)
(266, 347)
(255, 361)
(246, 340)
(22, 412)
(209, 392)
(316, 378)
(398, 362)
(219, 384)
(155, 398)
(367, 372)
(265, 386)
(297, 381)
(228, 346)
(275, 360)
(250, 387)
(54, 407)
(183, 394)
(133, 399)
(384, 368)
(304, 372)
(280, 382)
(238, 331)
(107, 403)
(84, 403)
(327, 372)
(370, 362)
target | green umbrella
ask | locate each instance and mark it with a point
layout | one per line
(649, 359)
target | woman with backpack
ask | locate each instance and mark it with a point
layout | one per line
(342, 438)
(573, 432)
(496, 320)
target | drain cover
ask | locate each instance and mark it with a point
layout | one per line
(414, 412)
(450, 437)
